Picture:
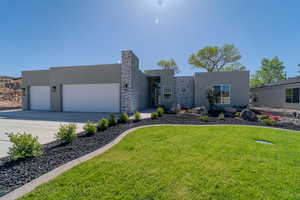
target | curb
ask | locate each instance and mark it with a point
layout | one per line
(28, 187)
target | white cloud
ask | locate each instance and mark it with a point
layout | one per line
(157, 21)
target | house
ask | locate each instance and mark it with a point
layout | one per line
(124, 88)
(282, 94)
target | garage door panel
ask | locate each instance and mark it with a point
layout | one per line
(40, 98)
(91, 97)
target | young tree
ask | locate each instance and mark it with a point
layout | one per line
(270, 71)
(168, 64)
(215, 59)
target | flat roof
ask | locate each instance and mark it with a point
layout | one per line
(288, 81)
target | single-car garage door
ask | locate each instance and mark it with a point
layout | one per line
(39, 98)
(91, 97)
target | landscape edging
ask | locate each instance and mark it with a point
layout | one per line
(28, 187)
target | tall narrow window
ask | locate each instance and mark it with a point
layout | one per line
(222, 94)
(292, 95)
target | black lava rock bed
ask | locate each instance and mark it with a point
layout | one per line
(55, 154)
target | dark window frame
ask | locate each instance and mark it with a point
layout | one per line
(223, 97)
(292, 95)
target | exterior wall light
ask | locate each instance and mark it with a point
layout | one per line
(53, 89)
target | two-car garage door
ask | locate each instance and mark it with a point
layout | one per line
(91, 97)
(79, 98)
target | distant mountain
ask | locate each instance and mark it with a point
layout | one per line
(6, 77)
(10, 92)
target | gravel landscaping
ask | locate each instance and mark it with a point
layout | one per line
(16, 174)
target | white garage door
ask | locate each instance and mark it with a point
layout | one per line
(39, 98)
(91, 97)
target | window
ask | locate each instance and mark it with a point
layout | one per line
(167, 91)
(222, 94)
(292, 95)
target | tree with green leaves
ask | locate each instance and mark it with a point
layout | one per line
(216, 59)
(168, 64)
(299, 70)
(270, 71)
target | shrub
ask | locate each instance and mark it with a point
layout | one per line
(90, 128)
(24, 145)
(112, 120)
(160, 111)
(124, 117)
(268, 122)
(204, 118)
(137, 116)
(276, 118)
(262, 117)
(103, 124)
(66, 133)
(154, 115)
(221, 116)
(189, 111)
(237, 114)
(211, 98)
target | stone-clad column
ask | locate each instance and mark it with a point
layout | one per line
(129, 70)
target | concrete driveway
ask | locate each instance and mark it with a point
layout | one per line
(38, 123)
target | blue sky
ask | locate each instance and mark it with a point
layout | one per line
(37, 34)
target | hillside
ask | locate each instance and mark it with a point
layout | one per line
(10, 92)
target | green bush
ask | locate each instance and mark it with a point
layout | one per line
(66, 133)
(160, 111)
(137, 116)
(189, 111)
(237, 114)
(154, 115)
(103, 124)
(263, 117)
(24, 145)
(204, 118)
(221, 116)
(112, 120)
(268, 122)
(90, 128)
(124, 117)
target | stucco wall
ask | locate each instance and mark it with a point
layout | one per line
(273, 96)
(142, 90)
(239, 82)
(80, 75)
(185, 91)
(33, 78)
(57, 76)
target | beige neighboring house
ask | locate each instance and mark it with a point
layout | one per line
(283, 94)
(125, 88)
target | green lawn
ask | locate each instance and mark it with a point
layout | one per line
(187, 163)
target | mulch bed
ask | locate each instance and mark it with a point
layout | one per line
(55, 154)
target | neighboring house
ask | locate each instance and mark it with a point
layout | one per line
(124, 88)
(283, 94)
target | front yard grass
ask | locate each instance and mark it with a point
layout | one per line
(177, 162)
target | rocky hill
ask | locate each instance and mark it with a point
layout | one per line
(10, 92)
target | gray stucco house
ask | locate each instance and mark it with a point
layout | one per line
(283, 94)
(124, 88)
